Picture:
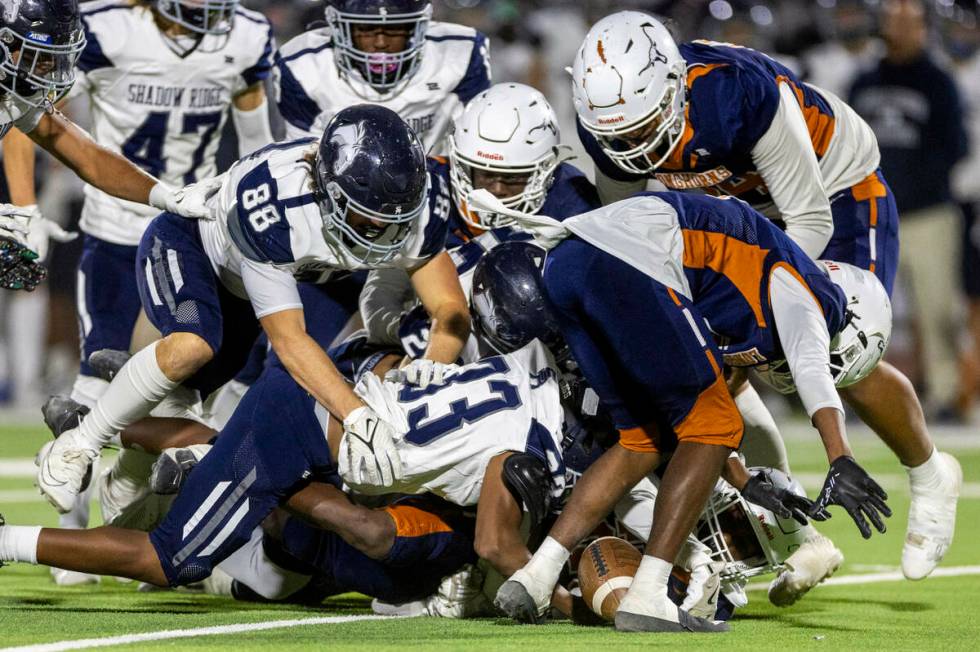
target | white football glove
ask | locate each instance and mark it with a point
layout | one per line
(26, 225)
(190, 201)
(703, 589)
(422, 373)
(368, 455)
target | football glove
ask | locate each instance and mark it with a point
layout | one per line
(421, 373)
(850, 486)
(26, 225)
(782, 502)
(18, 268)
(368, 455)
(190, 201)
(705, 582)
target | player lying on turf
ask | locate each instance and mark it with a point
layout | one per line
(357, 200)
(43, 41)
(490, 433)
(682, 261)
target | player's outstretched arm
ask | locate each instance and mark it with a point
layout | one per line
(114, 174)
(498, 530)
(437, 285)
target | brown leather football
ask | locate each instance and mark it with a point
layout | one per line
(605, 573)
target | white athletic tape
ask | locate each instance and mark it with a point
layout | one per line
(622, 582)
(129, 639)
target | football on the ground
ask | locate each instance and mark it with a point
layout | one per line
(605, 573)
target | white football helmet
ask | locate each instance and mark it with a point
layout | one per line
(629, 78)
(507, 129)
(856, 349)
(749, 539)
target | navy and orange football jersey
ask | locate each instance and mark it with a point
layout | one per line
(733, 97)
(652, 337)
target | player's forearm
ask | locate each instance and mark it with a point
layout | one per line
(450, 330)
(94, 164)
(315, 372)
(829, 422)
(18, 167)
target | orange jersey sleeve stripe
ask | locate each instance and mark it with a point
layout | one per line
(414, 522)
(820, 125)
(740, 262)
(714, 419)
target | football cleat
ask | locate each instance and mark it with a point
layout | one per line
(173, 466)
(62, 467)
(630, 622)
(107, 362)
(932, 520)
(523, 598)
(815, 560)
(62, 413)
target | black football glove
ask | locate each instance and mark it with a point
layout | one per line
(760, 491)
(850, 486)
(18, 267)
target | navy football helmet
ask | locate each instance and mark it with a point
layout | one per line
(383, 71)
(40, 41)
(200, 16)
(507, 301)
(371, 182)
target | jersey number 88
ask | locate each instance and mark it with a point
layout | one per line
(261, 214)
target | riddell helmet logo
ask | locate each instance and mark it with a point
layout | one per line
(489, 155)
(613, 120)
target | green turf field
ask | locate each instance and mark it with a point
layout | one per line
(938, 613)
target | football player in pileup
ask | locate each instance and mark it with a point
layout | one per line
(161, 78)
(731, 121)
(386, 52)
(355, 200)
(42, 41)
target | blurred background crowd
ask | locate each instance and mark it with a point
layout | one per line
(911, 69)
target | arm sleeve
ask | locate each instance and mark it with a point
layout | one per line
(785, 158)
(269, 288)
(805, 340)
(252, 128)
(382, 303)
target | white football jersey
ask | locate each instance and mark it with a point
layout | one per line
(310, 88)
(449, 433)
(162, 111)
(269, 221)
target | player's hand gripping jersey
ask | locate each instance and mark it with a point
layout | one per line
(269, 230)
(160, 107)
(311, 88)
(450, 432)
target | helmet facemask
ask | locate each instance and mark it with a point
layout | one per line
(370, 237)
(35, 68)
(539, 174)
(200, 16)
(642, 146)
(383, 71)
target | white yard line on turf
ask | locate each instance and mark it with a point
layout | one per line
(875, 578)
(17, 467)
(20, 496)
(242, 628)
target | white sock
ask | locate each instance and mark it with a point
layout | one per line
(648, 592)
(77, 518)
(131, 395)
(762, 445)
(19, 543)
(929, 474)
(546, 563)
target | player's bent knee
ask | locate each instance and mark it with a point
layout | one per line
(180, 355)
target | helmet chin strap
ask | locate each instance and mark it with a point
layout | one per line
(547, 231)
